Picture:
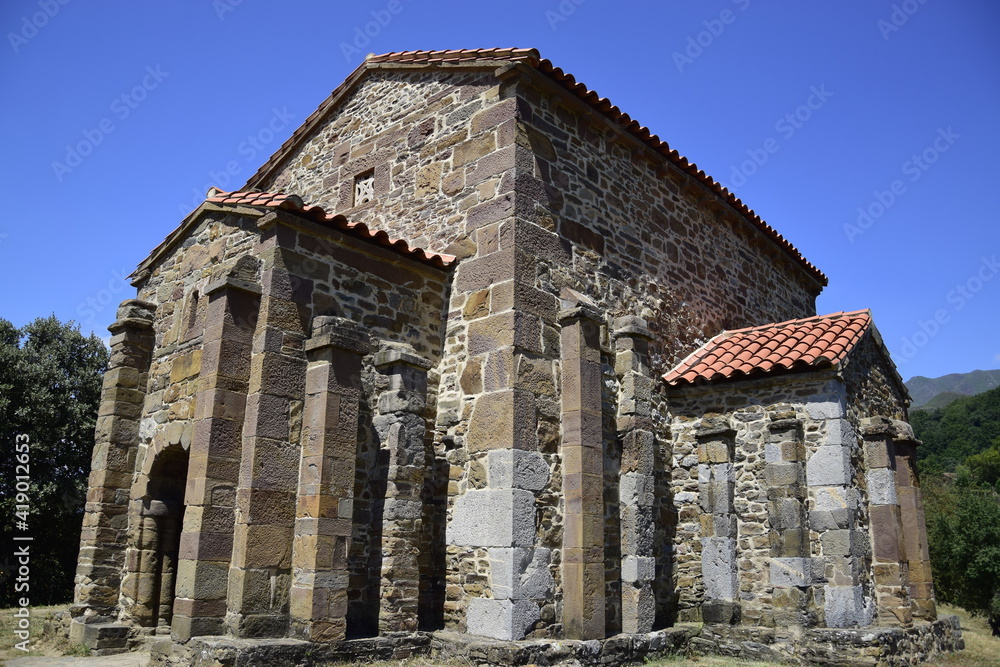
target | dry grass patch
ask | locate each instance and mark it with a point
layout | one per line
(39, 646)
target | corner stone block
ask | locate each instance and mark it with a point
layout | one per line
(844, 607)
(503, 420)
(638, 568)
(493, 518)
(791, 571)
(501, 619)
(829, 466)
(718, 567)
(520, 574)
(881, 486)
(516, 469)
(826, 407)
(840, 432)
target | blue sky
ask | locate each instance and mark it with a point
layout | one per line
(864, 131)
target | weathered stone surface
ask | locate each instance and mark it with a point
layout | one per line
(501, 619)
(829, 466)
(517, 469)
(520, 573)
(493, 518)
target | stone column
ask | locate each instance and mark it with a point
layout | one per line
(103, 538)
(260, 573)
(716, 486)
(790, 564)
(889, 558)
(401, 428)
(206, 543)
(583, 474)
(324, 512)
(636, 497)
(911, 508)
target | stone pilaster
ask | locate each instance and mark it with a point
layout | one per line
(911, 509)
(401, 428)
(206, 543)
(636, 485)
(583, 475)
(260, 573)
(324, 512)
(103, 538)
(790, 572)
(889, 559)
(716, 486)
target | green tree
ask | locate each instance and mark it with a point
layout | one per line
(50, 388)
(963, 524)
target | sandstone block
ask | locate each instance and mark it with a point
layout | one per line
(501, 619)
(881, 486)
(829, 466)
(517, 469)
(493, 518)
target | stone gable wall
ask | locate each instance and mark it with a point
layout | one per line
(437, 144)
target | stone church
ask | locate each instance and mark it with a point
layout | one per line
(476, 360)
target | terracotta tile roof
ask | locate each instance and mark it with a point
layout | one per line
(294, 203)
(796, 345)
(531, 57)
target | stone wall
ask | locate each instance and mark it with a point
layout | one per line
(794, 532)
(293, 272)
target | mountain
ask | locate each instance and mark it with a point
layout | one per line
(923, 390)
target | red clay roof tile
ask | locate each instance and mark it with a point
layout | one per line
(532, 58)
(796, 345)
(358, 230)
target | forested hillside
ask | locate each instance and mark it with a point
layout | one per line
(951, 434)
(960, 477)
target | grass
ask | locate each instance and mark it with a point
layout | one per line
(982, 649)
(39, 646)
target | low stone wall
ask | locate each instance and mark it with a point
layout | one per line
(881, 647)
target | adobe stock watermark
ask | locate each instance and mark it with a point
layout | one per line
(913, 169)
(31, 24)
(249, 149)
(561, 12)
(696, 44)
(898, 17)
(363, 35)
(121, 108)
(223, 7)
(22, 538)
(110, 295)
(957, 298)
(786, 126)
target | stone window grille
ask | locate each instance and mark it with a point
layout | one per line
(364, 188)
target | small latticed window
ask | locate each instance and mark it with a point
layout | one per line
(364, 188)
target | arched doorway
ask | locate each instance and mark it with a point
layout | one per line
(161, 518)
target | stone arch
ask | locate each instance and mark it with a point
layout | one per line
(155, 540)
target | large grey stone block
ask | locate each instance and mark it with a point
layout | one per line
(517, 469)
(791, 571)
(881, 486)
(829, 466)
(493, 518)
(830, 404)
(398, 508)
(840, 432)
(636, 489)
(834, 497)
(718, 567)
(518, 573)
(638, 568)
(501, 619)
(846, 607)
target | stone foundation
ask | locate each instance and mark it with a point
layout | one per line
(888, 647)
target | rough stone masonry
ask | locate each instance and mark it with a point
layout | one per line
(476, 362)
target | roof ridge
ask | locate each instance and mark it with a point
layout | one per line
(568, 81)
